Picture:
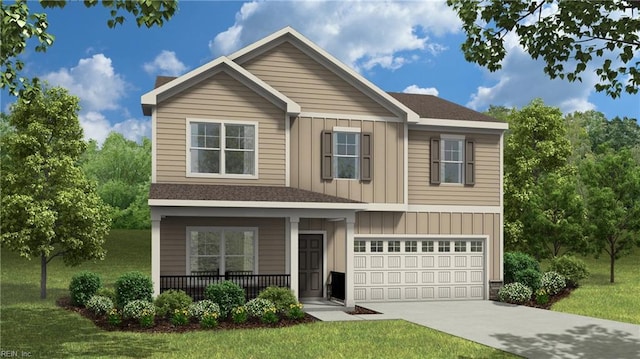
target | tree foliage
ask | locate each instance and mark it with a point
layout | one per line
(20, 24)
(612, 182)
(48, 207)
(122, 169)
(567, 35)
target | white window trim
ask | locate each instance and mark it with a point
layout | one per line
(450, 137)
(222, 123)
(221, 229)
(347, 129)
(358, 156)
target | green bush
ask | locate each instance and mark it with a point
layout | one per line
(295, 312)
(552, 282)
(83, 286)
(239, 315)
(167, 302)
(258, 306)
(133, 286)
(515, 293)
(521, 267)
(226, 294)
(107, 292)
(282, 298)
(571, 268)
(99, 305)
(269, 316)
(137, 309)
(198, 309)
(209, 320)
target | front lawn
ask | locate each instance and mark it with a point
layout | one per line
(596, 297)
(39, 327)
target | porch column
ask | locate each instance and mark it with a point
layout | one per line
(349, 290)
(293, 253)
(155, 254)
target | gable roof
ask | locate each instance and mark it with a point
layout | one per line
(166, 86)
(429, 106)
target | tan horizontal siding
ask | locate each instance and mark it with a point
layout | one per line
(173, 242)
(386, 185)
(435, 223)
(220, 97)
(311, 84)
(486, 191)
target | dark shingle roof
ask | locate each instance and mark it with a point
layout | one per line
(161, 80)
(428, 106)
(239, 193)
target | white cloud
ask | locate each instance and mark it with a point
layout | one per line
(166, 63)
(421, 90)
(362, 34)
(94, 81)
(522, 79)
(96, 126)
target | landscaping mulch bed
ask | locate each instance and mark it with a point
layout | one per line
(362, 310)
(563, 294)
(163, 325)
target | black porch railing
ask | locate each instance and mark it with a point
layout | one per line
(338, 284)
(195, 285)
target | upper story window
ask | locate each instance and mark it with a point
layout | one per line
(222, 148)
(452, 160)
(346, 154)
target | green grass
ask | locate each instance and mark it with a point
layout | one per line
(596, 297)
(41, 328)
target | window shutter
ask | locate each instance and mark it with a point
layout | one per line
(435, 160)
(469, 163)
(326, 149)
(366, 149)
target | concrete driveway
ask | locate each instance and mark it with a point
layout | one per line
(529, 332)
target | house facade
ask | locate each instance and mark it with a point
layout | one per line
(279, 160)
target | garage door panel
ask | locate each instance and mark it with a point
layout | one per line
(457, 274)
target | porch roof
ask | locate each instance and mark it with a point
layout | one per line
(224, 193)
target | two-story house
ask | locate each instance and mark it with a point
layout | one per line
(279, 162)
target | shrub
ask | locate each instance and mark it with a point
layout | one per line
(180, 317)
(239, 315)
(516, 293)
(269, 316)
(226, 294)
(256, 307)
(197, 309)
(552, 282)
(282, 298)
(209, 320)
(573, 269)
(114, 318)
(107, 292)
(521, 267)
(542, 297)
(295, 312)
(133, 286)
(137, 309)
(170, 301)
(99, 305)
(83, 286)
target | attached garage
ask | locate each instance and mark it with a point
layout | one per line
(419, 269)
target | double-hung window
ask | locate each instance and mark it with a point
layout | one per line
(220, 250)
(346, 155)
(222, 148)
(452, 160)
(451, 165)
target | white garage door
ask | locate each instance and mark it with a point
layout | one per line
(418, 269)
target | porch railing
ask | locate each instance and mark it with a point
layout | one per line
(195, 285)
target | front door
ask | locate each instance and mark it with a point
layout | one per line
(310, 265)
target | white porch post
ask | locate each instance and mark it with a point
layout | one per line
(155, 254)
(349, 290)
(293, 253)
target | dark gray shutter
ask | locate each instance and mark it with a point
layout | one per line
(326, 149)
(435, 160)
(469, 163)
(366, 149)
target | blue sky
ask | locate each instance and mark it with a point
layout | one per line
(399, 46)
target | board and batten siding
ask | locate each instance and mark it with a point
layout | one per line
(387, 182)
(436, 223)
(335, 240)
(309, 83)
(219, 97)
(485, 192)
(173, 241)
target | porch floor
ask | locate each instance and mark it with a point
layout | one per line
(321, 305)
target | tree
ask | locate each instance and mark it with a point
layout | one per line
(19, 25)
(48, 207)
(536, 145)
(567, 35)
(613, 203)
(122, 169)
